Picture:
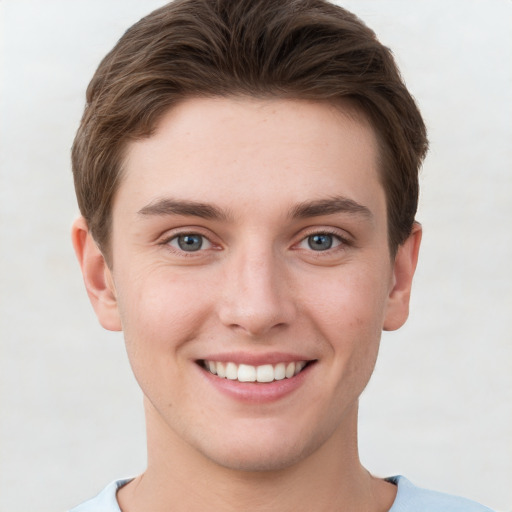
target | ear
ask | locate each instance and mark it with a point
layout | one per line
(403, 271)
(97, 276)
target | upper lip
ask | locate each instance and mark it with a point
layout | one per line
(255, 359)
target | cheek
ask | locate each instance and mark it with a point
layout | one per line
(351, 301)
(160, 313)
(160, 316)
(349, 314)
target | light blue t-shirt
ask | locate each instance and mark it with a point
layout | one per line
(409, 498)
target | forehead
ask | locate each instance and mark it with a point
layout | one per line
(255, 152)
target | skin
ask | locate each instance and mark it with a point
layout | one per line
(269, 171)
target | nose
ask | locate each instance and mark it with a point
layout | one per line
(256, 294)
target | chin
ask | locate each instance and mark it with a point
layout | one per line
(262, 451)
(256, 459)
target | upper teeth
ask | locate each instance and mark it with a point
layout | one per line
(249, 373)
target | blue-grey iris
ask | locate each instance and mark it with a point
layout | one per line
(190, 243)
(320, 242)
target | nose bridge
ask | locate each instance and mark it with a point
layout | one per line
(256, 295)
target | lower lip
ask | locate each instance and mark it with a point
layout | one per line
(257, 392)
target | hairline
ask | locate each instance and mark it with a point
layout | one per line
(346, 106)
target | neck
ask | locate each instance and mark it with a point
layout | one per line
(179, 478)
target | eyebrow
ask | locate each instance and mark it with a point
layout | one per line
(167, 206)
(330, 206)
(318, 208)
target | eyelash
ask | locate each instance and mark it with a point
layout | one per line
(182, 253)
(343, 242)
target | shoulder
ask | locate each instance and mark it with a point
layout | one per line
(105, 501)
(410, 498)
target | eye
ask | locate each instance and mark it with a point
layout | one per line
(190, 242)
(321, 242)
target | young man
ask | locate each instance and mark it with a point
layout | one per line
(247, 174)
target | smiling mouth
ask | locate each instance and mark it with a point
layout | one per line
(264, 373)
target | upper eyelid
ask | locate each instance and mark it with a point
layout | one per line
(304, 233)
(169, 234)
(340, 239)
(320, 230)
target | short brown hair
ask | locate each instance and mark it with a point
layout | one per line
(300, 49)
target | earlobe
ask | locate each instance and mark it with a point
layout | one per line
(97, 276)
(403, 271)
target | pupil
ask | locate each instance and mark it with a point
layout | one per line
(320, 242)
(190, 242)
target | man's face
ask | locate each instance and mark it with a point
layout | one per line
(250, 238)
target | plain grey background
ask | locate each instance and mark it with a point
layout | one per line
(439, 407)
